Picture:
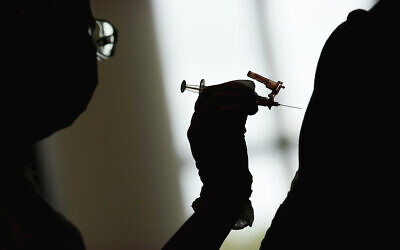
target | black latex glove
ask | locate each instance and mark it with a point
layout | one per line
(218, 145)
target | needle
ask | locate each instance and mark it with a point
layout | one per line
(268, 102)
(288, 106)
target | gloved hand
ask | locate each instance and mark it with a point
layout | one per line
(216, 137)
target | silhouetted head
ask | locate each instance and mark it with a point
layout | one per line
(51, 66)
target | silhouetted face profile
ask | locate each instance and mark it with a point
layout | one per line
(52, 66)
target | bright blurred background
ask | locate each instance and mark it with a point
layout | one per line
(123, 173)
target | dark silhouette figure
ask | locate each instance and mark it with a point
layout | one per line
(344, 195)
(49, 74)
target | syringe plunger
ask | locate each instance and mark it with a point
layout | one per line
(193, 88)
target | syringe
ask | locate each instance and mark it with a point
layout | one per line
(261, 100)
